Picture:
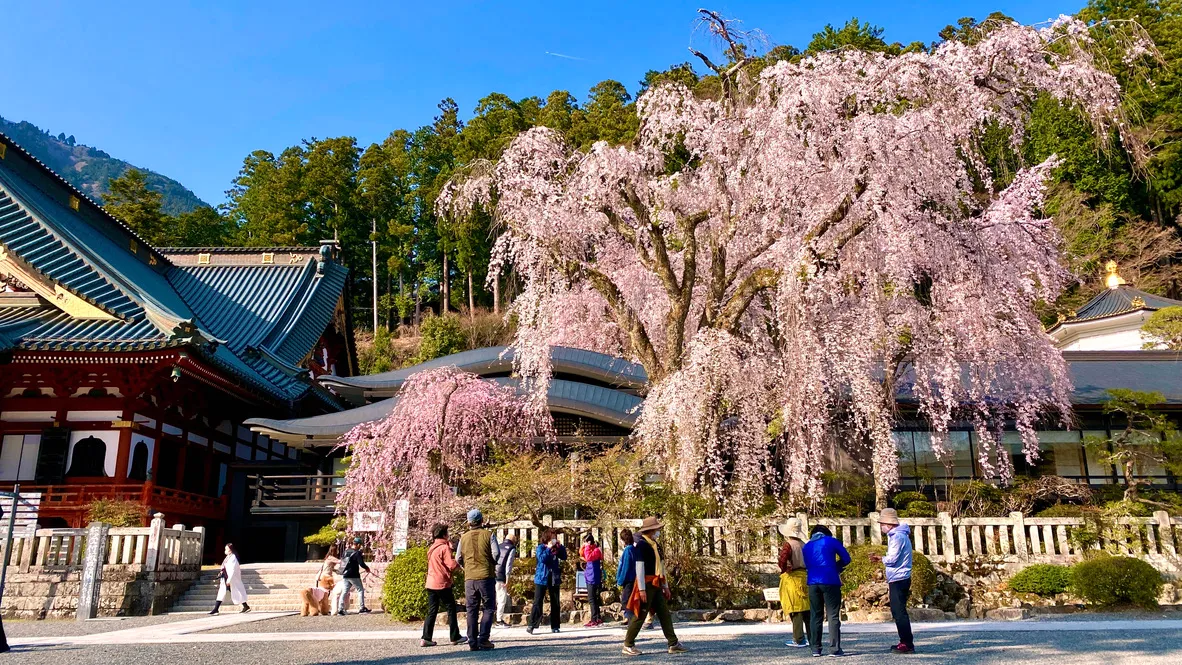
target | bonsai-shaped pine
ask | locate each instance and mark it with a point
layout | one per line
(1149, 437)
(1164, 329)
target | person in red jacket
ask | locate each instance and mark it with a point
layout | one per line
(440, 564)
(592, 555)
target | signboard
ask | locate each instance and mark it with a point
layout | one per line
(401, 525)
(369, 521)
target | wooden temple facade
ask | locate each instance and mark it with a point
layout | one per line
(126, 370)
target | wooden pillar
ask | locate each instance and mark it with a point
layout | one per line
(123, 456)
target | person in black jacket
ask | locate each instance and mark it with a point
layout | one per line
(505, 559)
(354, 563)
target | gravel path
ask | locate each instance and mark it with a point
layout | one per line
(63, 627)
(1160, 647)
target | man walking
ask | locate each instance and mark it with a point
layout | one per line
(440, 564)
(354, 563)
(506, 556)
(898, 574)
(651, 594)
(824, 559)
(477, 553)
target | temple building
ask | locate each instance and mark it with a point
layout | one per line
(127, 370)
(1111, 321)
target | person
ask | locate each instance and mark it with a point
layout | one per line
(477, 553)
(898, 575)
(626, 573)
(331, 567)
(506, 557)
(440, 564)
(794, 594)
(824, 559)
(592, 555)
(230, 580)
(650, 594)
(354, 563)
(547, 580)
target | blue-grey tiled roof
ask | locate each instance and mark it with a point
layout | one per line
(1112, 302)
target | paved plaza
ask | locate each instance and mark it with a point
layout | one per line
(276, 639)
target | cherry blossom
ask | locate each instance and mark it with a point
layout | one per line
(788, 259)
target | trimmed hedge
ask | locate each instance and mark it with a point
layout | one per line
(919, 508)
(904, 499)
(404, 591)
(862, 571)
(1044, 579)
(1111, 580)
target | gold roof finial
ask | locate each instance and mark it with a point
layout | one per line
(1112, 279)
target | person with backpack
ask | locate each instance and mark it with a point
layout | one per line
(593, 574)
(547, 581)
(897, 561)
(824, 559)
(477, 553)
(440, 566)
(506, 557)
(651, 594)
(794, 592)
(354, 563)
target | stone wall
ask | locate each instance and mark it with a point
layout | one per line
(126, 590)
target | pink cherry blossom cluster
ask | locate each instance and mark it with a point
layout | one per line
(789, 260)
(445, 422)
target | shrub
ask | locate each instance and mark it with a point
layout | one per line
(1066, 510)
(849, 495)
(116, 513)
(328, 534)
(904, 499)
(1111, 580)
(919, 509)
(1042, 579)
(441, 336)
(862, 571)
(404, 594)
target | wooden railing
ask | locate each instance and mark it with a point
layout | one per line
(294, 492)
(149, 546)
(1015, 538)
(148, 494)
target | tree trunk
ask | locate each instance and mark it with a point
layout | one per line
(444, 290)
(1131, 493)
(401, 295)
(880, 491)
(497, 293)
(418, 303)
(471, 297)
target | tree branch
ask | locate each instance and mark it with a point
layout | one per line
(732, 313)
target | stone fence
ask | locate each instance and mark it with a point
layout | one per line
(131, 570)
(944, 539)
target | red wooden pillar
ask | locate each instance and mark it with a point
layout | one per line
(123, 457)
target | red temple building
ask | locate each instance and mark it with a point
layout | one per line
(126, 370)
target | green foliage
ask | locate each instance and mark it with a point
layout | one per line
(977, 498)
(903, 499)
(863, 571)
(116, 513)
(441, 336)
(1112, 580)
(1043, 579)
(328, 534)
(1149, 437)
(919, 509)
(1164, 328)
(856, 35)
(1066, 510)
(404, 594)
(849, 495)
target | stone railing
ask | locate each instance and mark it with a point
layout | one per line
(943, 538)
(149, 547)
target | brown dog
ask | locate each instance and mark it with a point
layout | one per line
(317, 599)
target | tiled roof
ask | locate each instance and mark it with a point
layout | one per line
(1120, 300)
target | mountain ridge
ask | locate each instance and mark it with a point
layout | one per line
(89, 168)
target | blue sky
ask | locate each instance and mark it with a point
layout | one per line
(190, 88)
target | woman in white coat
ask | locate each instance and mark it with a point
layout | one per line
(230, 579)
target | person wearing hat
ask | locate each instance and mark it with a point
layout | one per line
(650, 595)
(506, 557)
(794, 592)
(592, 555)
(354, 563)
(897, 561)
(477, 553)
(549, 554)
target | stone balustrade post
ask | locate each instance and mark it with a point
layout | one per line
(1165, 533)
(949, 537)
(875, 532)
(92, 570)
(155, 540)
(1020, 545)
(200, 551)
(27, 547)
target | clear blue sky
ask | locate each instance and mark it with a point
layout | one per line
(189, 88)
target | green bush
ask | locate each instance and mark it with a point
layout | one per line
(440, 336)
(904, 499)
(404, 591)
(862, 571)
(1066, 510)
(919, 509)
(1042, 579)
(1112, 580)
(116, 513)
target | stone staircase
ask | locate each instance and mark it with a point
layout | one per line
(270, 587)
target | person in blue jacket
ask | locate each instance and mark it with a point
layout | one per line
(626, 572)
(897, 562)
(547, 580)
(824, 559)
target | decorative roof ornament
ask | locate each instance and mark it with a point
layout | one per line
(1137, 302)
(1112, 280)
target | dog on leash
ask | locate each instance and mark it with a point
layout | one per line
(317, 599)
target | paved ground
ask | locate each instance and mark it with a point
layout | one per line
(1111, 640)
(60, 627)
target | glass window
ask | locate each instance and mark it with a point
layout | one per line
(906, 446)
(960, 455)
(18, 456)
(925, 457)
(1098, 472)
(242, 451)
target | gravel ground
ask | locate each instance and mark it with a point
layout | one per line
(64, 627)
(1121, 614)
(1009, 648)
